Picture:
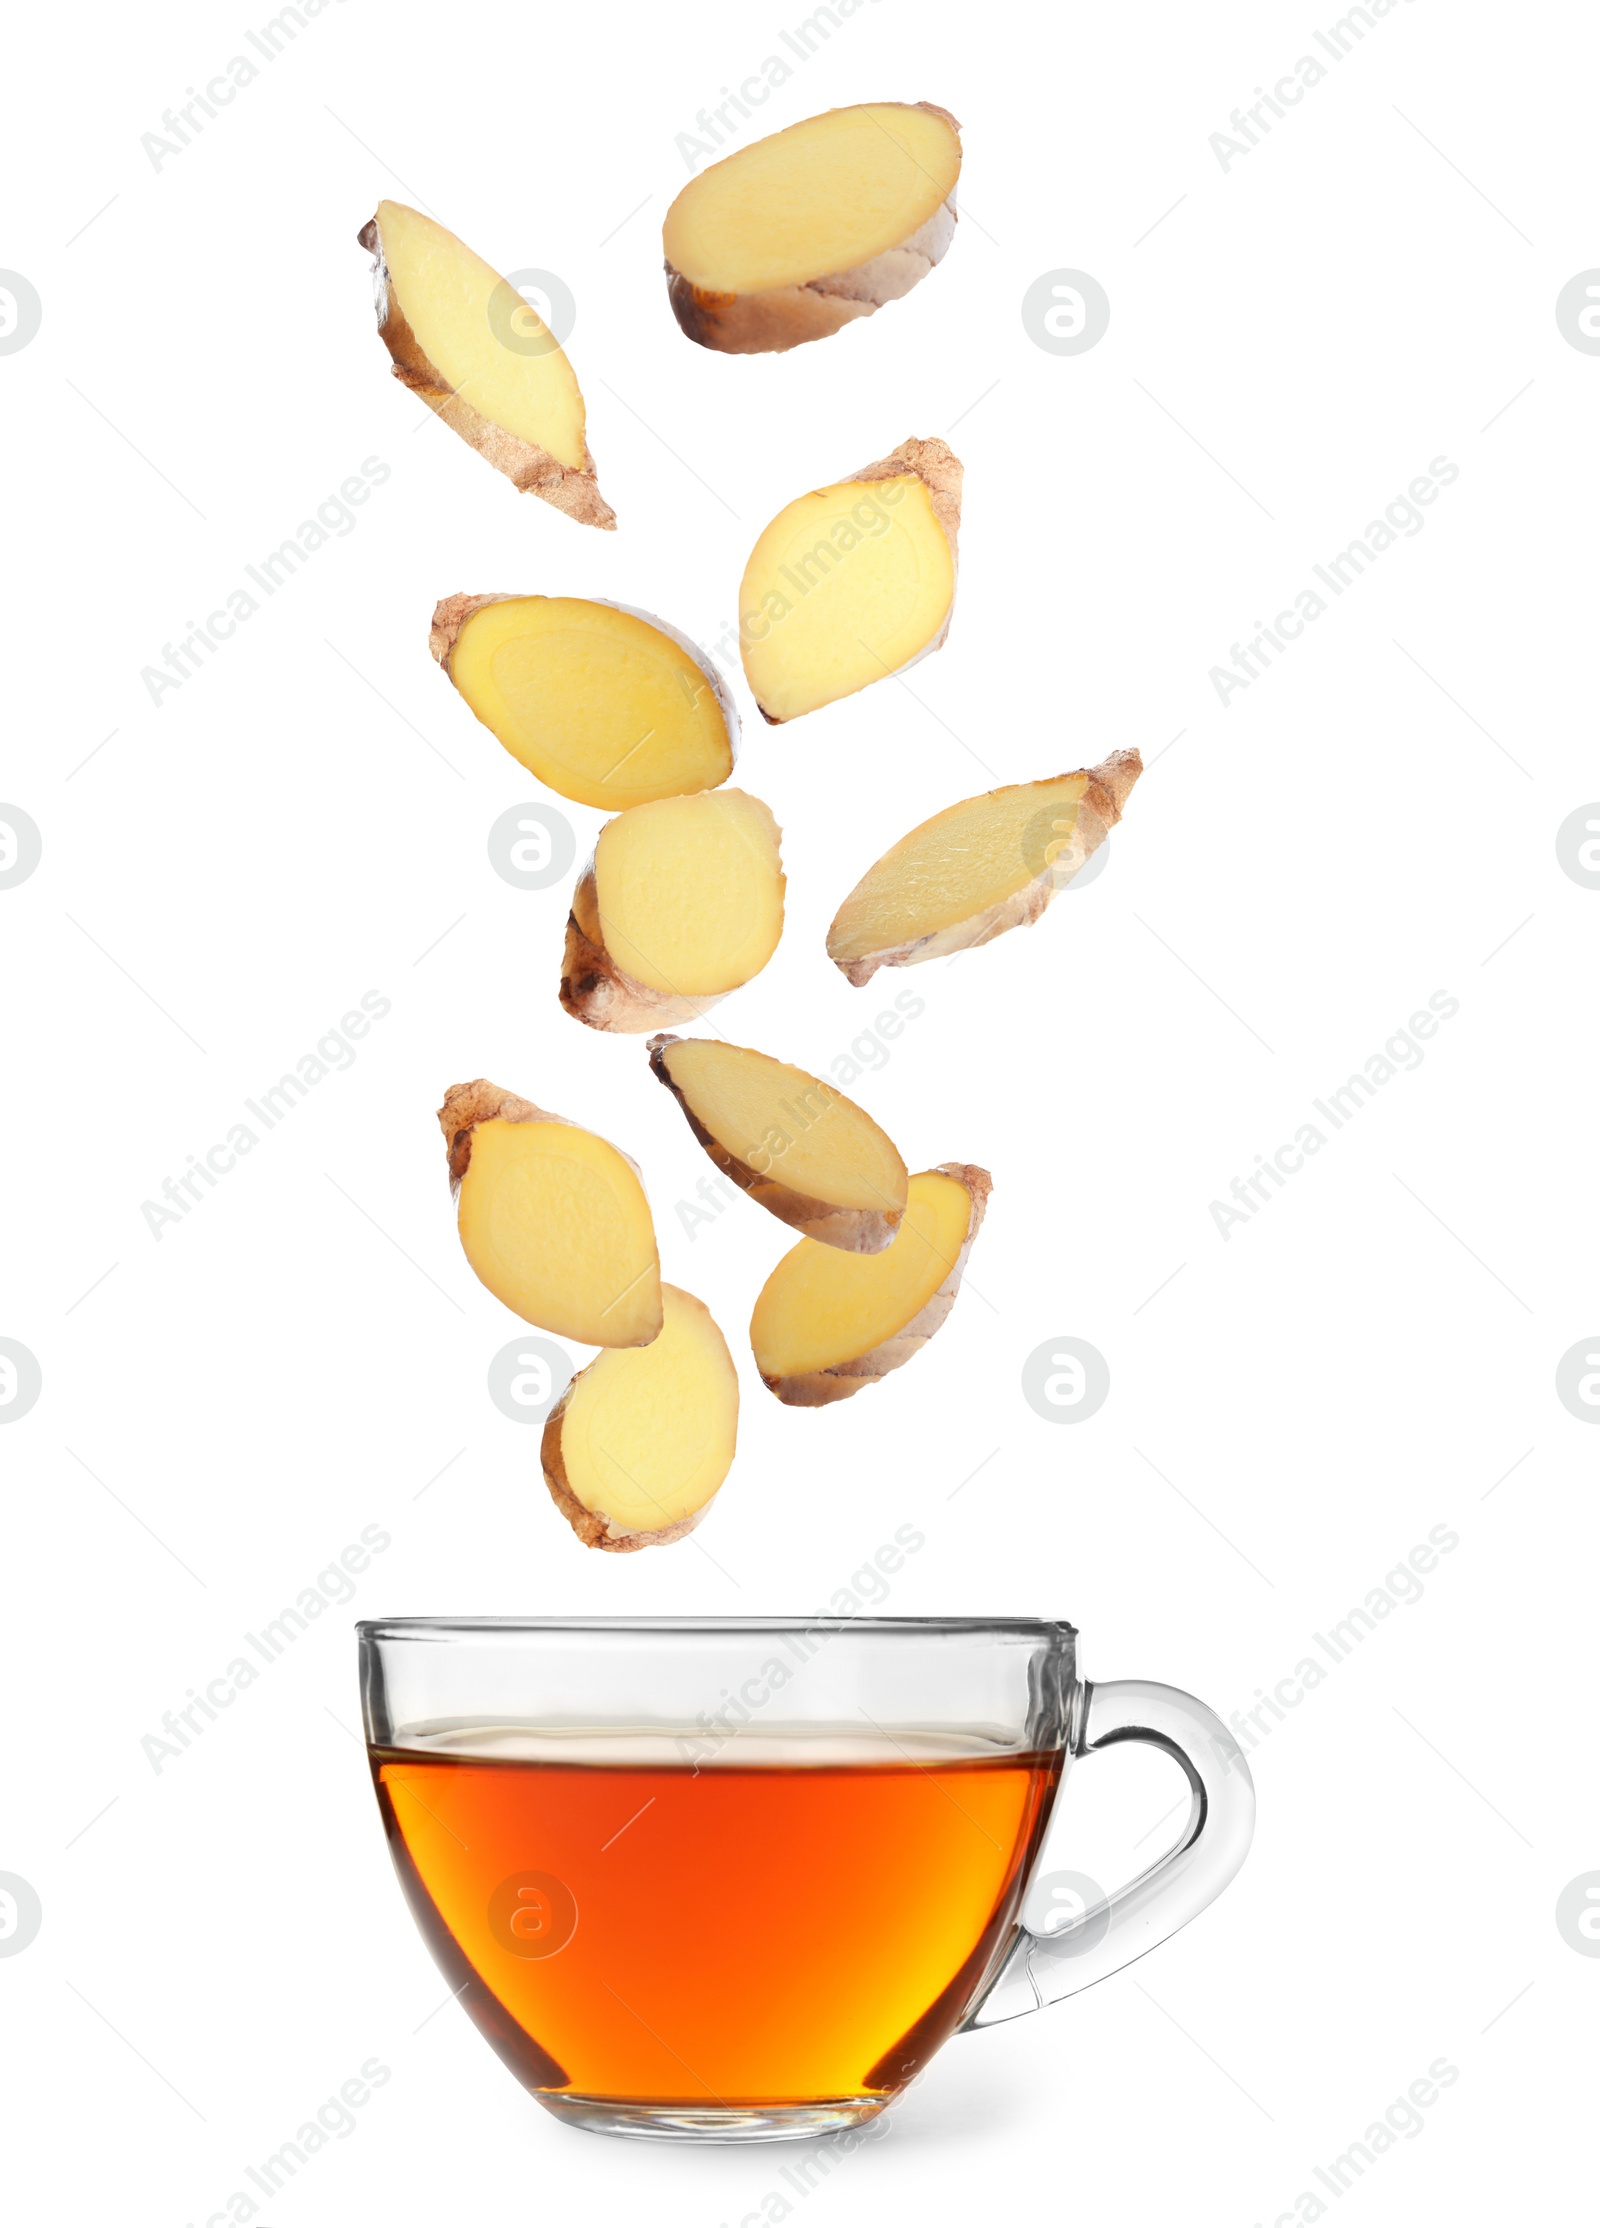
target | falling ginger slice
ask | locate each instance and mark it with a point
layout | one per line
(852, 583)
(801, 233)
(826, 1322)
(978, 868)
(606, 705)
(465, 341)
(553, 1220)
(641, 1440)
(799, 1147)
(682, 903)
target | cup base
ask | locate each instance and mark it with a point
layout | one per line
(724, 2123)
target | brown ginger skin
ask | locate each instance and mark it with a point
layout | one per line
(819, 1388)
(1099, 810)
(450, 615)
(599, 992)
(851, 1229)
(531, 469)
(940, 470)
(786, 317)
(468, 1104)
(592, 1529)
(465, 1106)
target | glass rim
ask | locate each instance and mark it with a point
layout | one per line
(422, 1628)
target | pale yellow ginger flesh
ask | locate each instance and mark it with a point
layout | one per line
(847, 585)
(486, 342)
(978, 868)
(821, 197)
(799, 1144)
(976, 854)
(645, 1437)
(821, 1307)
(690, 891)
(602, 706)
(555, 1222)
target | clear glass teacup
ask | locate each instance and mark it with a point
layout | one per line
(738, 1878)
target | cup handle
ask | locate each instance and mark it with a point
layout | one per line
(1040, 1969)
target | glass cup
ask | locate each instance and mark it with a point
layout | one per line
(733, 1879)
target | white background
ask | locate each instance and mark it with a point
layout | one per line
(1291, 1409)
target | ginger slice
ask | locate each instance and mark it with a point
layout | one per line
(552, 1219)
(799, 1147)
(852, 583)
(641, 1440)
(681, 903)
(606, 705)
(801, 233)
(464, 339)
(978, 868)
(826, 1323)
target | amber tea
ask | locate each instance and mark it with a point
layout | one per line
(801, 1919)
